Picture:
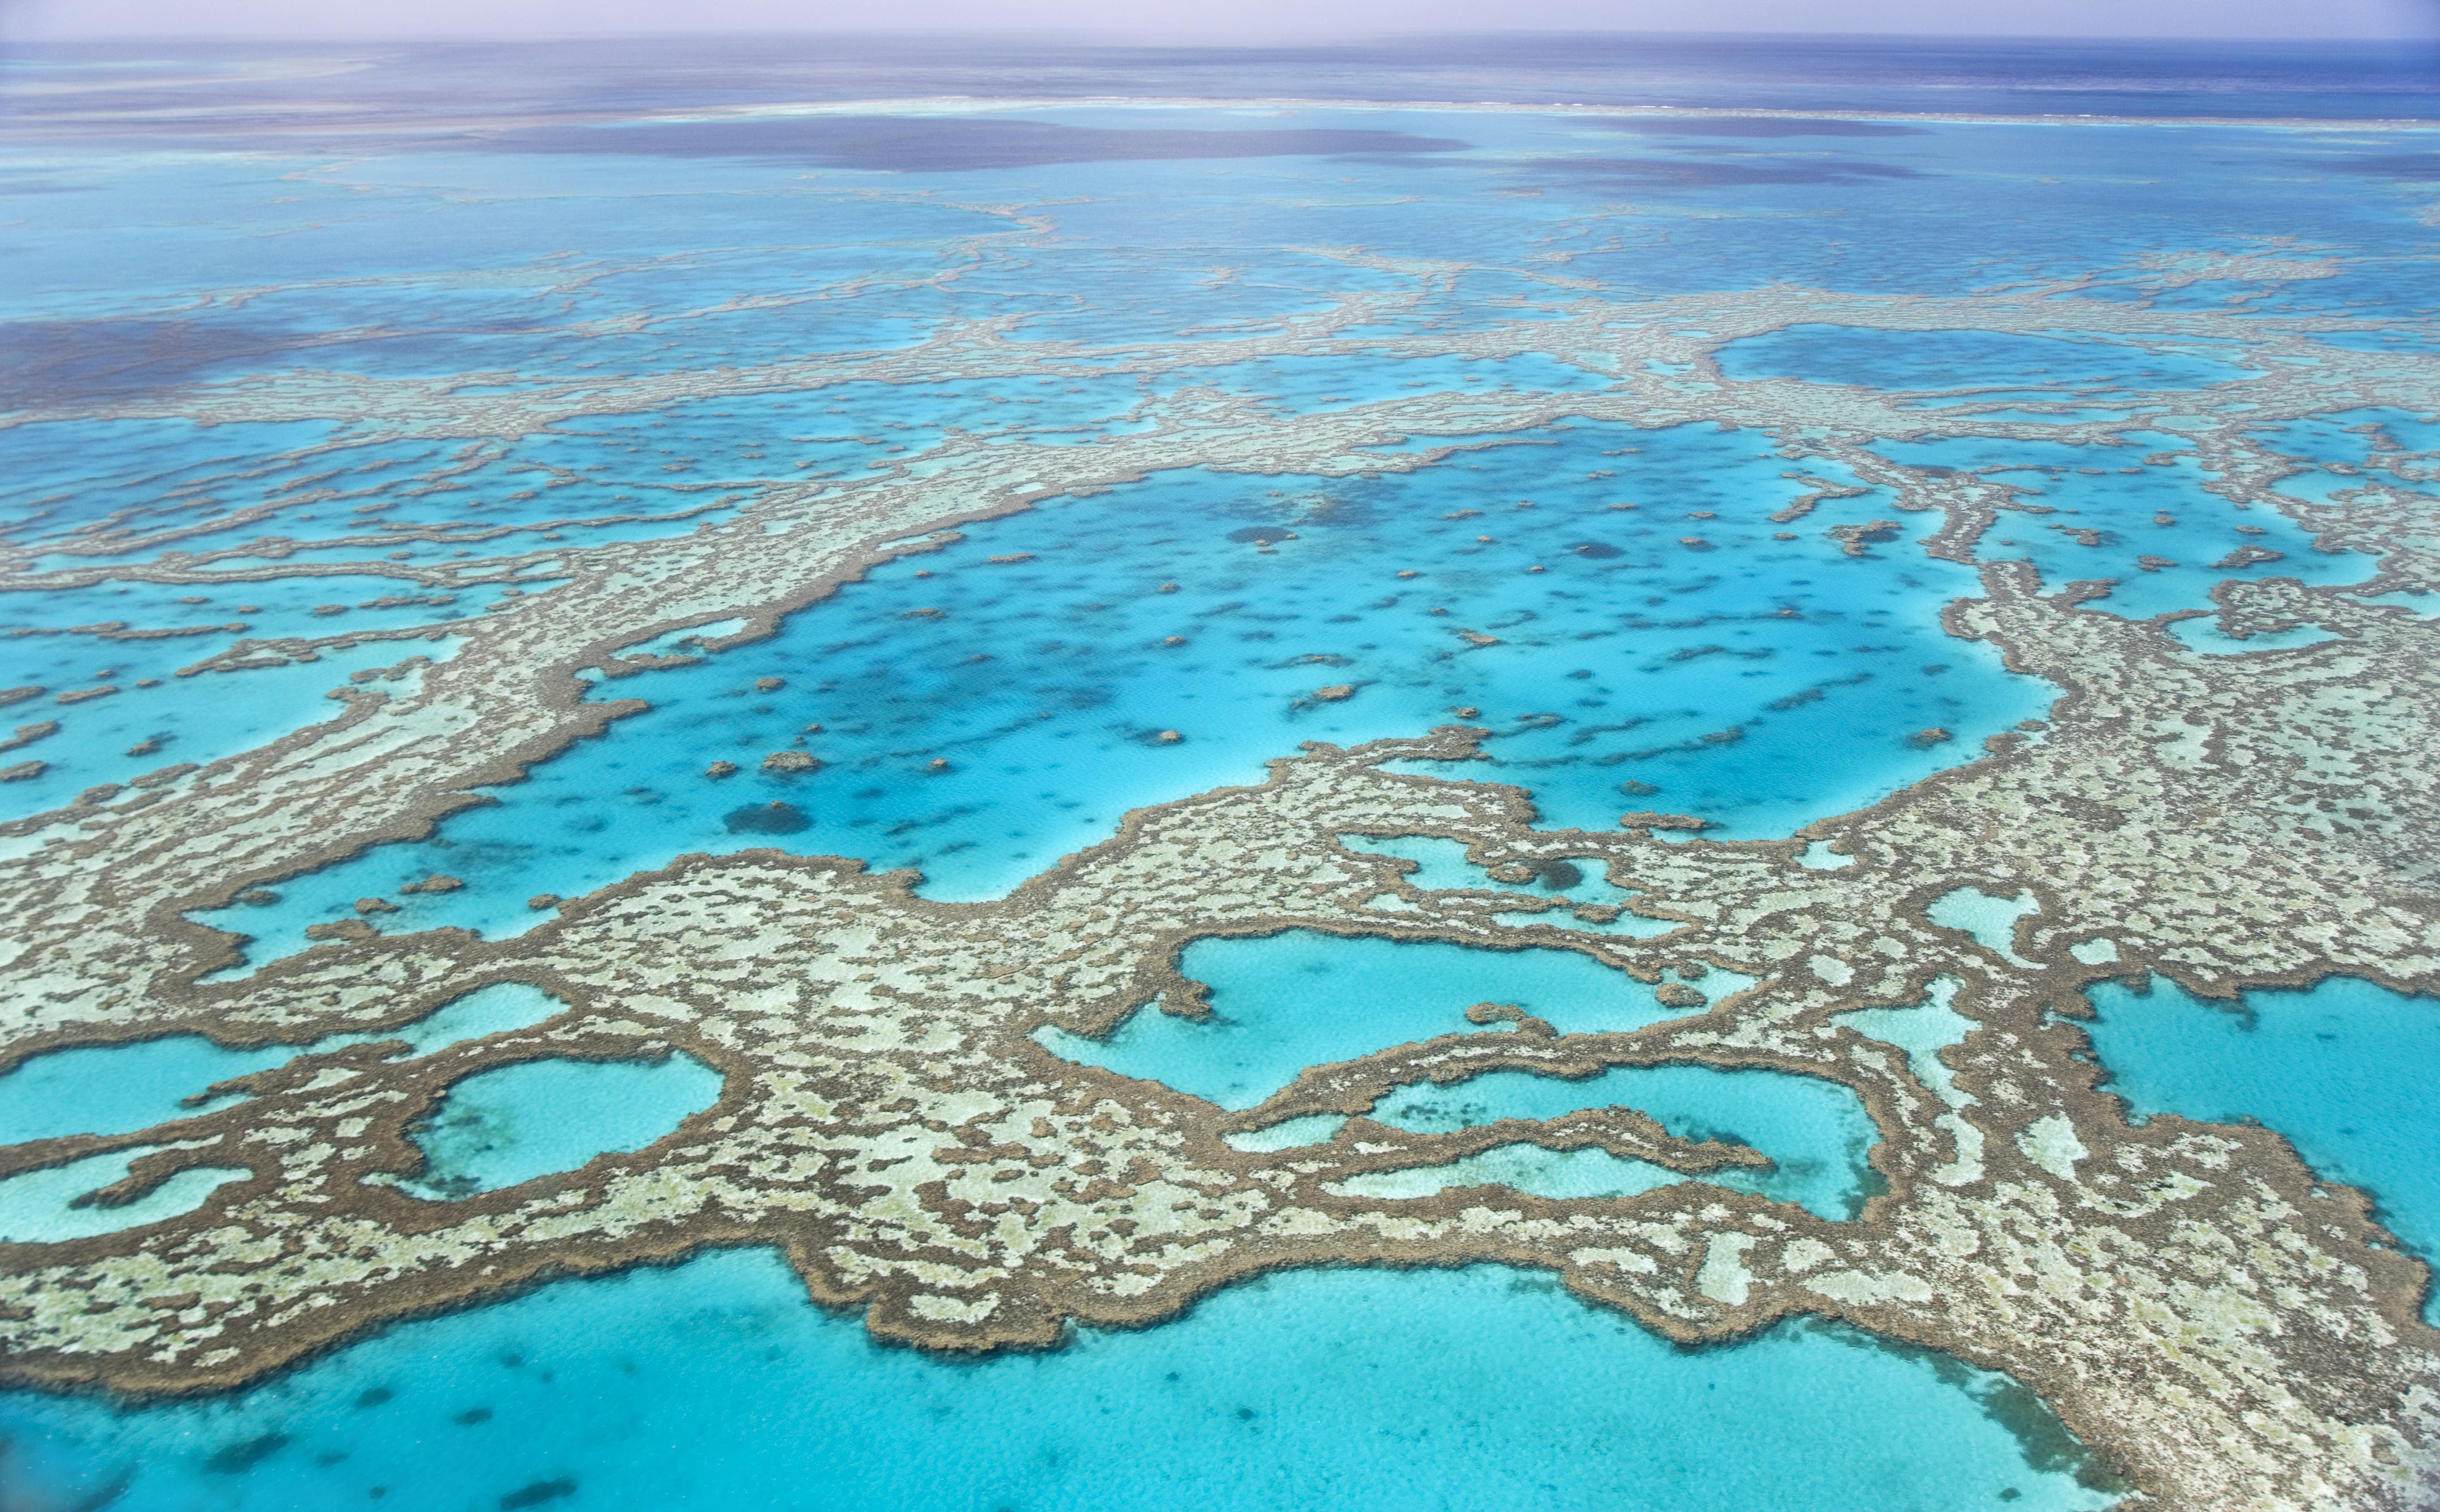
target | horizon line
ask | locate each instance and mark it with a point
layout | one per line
(1201, 42)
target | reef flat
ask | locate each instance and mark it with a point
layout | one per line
(2218, 1324)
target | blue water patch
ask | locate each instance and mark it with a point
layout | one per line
(42, 1207)
(1991, 919)
(2058, 367)
(1568, 1175)
(978, 712)
(2424, 605)
(1285, 1001)
(2135, 515)
(1319, 385)
(64, 481)
(2344, 1070)
(137, 638)
(210, 618)
(2344, 437)
(149, 717)
(1817, 1132)
(1341, 1388)
(120, 1089)
(514, 1123)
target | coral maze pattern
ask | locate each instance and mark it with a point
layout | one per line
(2224, 1329)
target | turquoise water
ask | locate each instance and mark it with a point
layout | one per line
(1563, 1175)
(133, 1086)
(118, 1089)
(1283, 1002)
(1990, 918)
(135, 730)
(1985, 365)
(1923, 1031)
(1582, 882)
(2344, 1070)
(2141, 501)
(42, 1206)
(1757, 684)
(510, 1124)
(1816, 1132)
(715, 1384)
(529, 344)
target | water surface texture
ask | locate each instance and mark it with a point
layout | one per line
(115, 1089)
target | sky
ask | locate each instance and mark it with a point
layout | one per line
(1215, 21)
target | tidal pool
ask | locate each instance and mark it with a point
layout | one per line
(1990, 919)
(517, 1122)
(715, 1384)
(118, 1089)
(1816, 1132)
(40, 1207)
(1442, 864)
(1284, 1002)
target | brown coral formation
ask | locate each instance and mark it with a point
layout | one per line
(2227, 1330)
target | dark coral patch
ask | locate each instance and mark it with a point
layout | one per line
(766, 819)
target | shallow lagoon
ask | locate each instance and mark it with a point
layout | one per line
(491, 1129)
(1755, 682)
(715, 1384)
(517, 1122)
(1817, 1132)
(1983, 365)
(2138, 515)
(719, 1364)
(1283, 1002)
(43, 1206)
(118, 1089)
(2344, 1070)
(133, 729)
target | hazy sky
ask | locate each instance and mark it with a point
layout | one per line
(1244, 20)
